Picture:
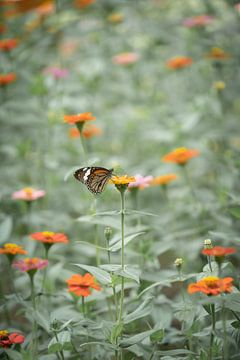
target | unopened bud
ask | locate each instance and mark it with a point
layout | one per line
(108, 233)
(178, 262)
(208, 244)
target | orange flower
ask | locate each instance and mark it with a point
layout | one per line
(81, 285)
(219, 251)
(180, 155)
(8, 44)
(115, 18)
(179, 62)
(83, 3)
(122, 180)
(79, 118)
(46, 8)
(217, 53)
(163, 179)
(2, 28)
(212, 285)
(18, 7)
(12, 249)
(6, 79)
(87, 132)
(50, 237)
(126, 58)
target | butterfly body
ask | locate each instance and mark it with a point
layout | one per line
(95, 178)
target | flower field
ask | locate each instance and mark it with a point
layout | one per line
(119, 230)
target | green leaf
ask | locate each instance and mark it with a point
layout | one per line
(101, 275)
(159, 283)
(63, 342)
(13, 355)
(232, 301)
(142, 213)
(175, 352)
(103, 220)
(118, 245)
(116, 331)
(157, 336)
(6, 229)
(129, 273)
(235, 211)
(136, 338)
(143, 310)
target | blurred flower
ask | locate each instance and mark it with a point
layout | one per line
(83, 3)
(178, 262)
(180, 155)
(82, 285)
(141, 182)
(18, 7)
(217, 53)
(56, 72)
(126, 58)
(218, 251)
(68, 47)
(90, 131)
(73, 119)
(237, 6)
(6, 79)
(115, 18)
(47, 8)
(122, 180)
(179, 62)
(50, 237)
(163, 179)
(28, 194)
(212, 285)
(12, 249)
(8, 339)
(29, 264)
(2, 28)
(198, 21)
(8, 44)
(219, 85)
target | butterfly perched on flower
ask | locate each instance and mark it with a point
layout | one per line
(95, 178)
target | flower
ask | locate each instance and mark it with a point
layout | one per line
(237, 6)
(219, 85)
(79, 118)
(50, 237)
(47, 8)
(8, 44)
(179, 62)
(56, 72)
(88, 132)
(115, 18)
(83, 3)
(141, 182)
(180, 155)
(217, 53)
(28, 194)
(7, 339)
(12, 249)
(163, 179)
(125, 58)
(212, 285)
(82, 285)
(197, 21)
(29, 264)
(2, 28)
(218, 251)
(6, 79)
(122, 180)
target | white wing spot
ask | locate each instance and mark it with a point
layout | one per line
(84, 169)
(85, 177)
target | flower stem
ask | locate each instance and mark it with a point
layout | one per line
(209, 263)
(45, 270)
(34, 325)
(83, 306)
(122, 253)
(213, 331)
(225, 346)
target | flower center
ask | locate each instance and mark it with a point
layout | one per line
(211, 281)
(10, 246)
(48, 234)
(28, 191)
(3, 333)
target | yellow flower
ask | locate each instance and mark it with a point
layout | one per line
(219, 85)
(115, 18)
(122, 180)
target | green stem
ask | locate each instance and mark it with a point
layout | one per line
(45, 270)
(225, 345)
(60, 351)
(189, 181)
(236, 315)
(83, 306)
(213, 331)
(34, 326)
(122, 253)
(209, 263)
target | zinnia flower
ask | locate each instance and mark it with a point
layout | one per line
(79, 118)
(6, 79)
(180, 155)
(28, 194)
(122, 180)
(212, 285)
(82, 285)
(115, 18)
(237, 6)
(83, 3)
(87, 132)
(141, 182)
(126, 58)
(217, 53)
(179, 62)
(29, 264)
(198, 21)
(50, 237)
(56, 72)
(163, 179)
(12, 249)
(8, 339)
(8, 44)
(219, 251)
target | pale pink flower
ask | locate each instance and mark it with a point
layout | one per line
(28, 264)
(237, 6)
(198, 21)
(56, 72)
(125, 58)
(141, 182)
(28, 194)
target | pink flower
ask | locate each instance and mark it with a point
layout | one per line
(28, 264)
(28, 194)
(56, 72)
(197, 21)
(141, 182)
(125, 58)
(237, 6)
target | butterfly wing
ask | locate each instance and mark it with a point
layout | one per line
(95, 178)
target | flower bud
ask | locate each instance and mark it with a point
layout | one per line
(178, 262)
(208, 244)
(108, 233)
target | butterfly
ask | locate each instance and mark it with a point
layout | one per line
(95, 178)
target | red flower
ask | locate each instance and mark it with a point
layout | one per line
(179, 62)
(50, 237)
(180, 155)
(219, 251)
(6, 79)
(81, 285)
(6, 339)
(8, 44)
(212, 285)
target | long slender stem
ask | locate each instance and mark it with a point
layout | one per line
(34, 326)
(45, 270)
(83, 306)
(213, 331)
(122, 254)
(225, 346)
